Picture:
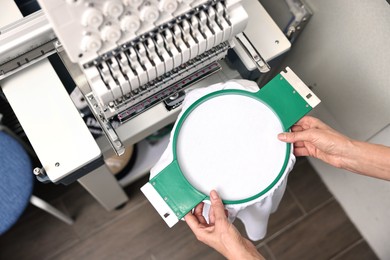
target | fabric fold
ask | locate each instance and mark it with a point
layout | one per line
(255, 213)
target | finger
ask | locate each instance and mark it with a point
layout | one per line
(296, 128)
(211, 216)
(198, 209)
(312, 122)
(307, 135)
(299, 144)
(217, 205)
(198, 213)
(301, 152)
(192, 222)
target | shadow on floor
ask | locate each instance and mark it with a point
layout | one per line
(309, 224)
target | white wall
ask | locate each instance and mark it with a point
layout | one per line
(344, 52)
(365, 200)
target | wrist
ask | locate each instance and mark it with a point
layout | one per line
(248, 252)
(351, 157)
(245, 255)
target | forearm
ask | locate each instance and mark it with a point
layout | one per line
(243, 250)
(368, 159)
(248, 255)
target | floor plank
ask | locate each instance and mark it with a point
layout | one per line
(360, 251)
(265, 253)
(37, 235)
(141, 234)
(307, 187)
(287, 212)
(137, 231)
(90, 215)
(319, 236)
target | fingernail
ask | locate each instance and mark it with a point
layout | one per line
(214, 195)
(282, 136)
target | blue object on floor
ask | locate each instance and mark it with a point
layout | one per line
(16, 180)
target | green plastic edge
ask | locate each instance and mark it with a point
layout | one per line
(274, 94)
(170, 181)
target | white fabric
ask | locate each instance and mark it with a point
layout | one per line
(254, 214)
(229, 141)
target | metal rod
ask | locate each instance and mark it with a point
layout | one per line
(24, 42)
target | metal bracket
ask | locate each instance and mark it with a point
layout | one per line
(41, 175)
(106, 126)
(261, 64)
(301, 14)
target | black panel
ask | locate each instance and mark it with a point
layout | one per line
(27, 6)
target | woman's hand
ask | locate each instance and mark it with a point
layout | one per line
(311, 137)
(220, 234)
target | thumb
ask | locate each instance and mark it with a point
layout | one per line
(217, 206)
(292, 137)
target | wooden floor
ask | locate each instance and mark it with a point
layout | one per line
(309, 224)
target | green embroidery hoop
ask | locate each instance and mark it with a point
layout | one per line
(278, 95)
